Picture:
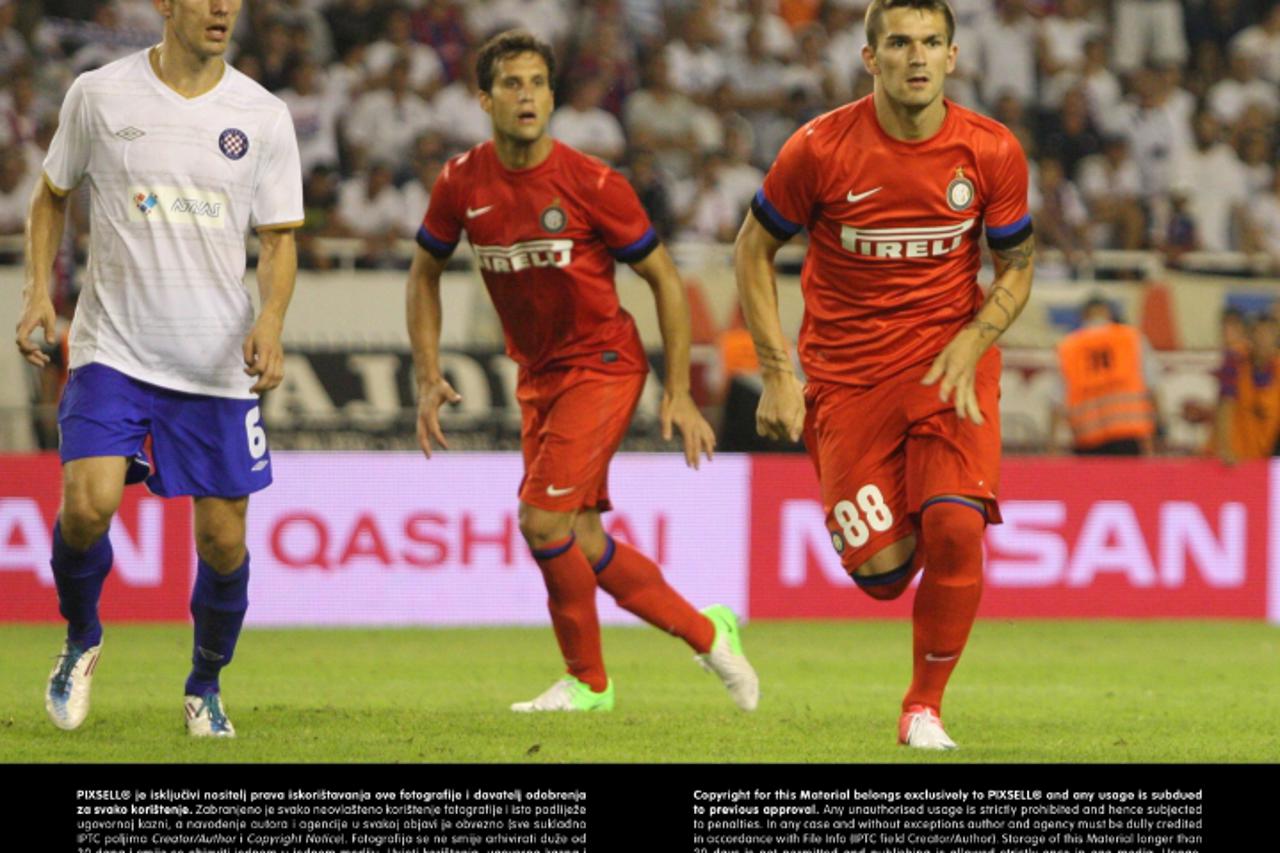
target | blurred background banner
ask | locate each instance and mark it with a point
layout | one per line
(1080, 539)
(392, 539)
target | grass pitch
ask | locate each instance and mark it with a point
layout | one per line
(1025, 692)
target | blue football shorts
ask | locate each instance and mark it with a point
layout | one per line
(201, 445)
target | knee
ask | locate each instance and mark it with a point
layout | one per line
(591, 538)
(221, 547)
(953, 540)
(541, 528)
(85, 516)
(951, 524)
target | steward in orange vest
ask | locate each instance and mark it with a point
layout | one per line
(1108, 404)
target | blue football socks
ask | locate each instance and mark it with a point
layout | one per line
(218, 605)
(79, 576)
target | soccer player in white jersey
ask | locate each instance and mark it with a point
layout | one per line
(183, 155)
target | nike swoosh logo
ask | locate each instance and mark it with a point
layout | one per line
(472, 213)
(555, 493)
(852, 197)
(932, 658)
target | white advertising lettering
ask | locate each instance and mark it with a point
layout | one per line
(1029, 549)
(139, 553)
(534, 254)
(922, 242)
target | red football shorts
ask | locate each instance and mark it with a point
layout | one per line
(572, 422)
(882, 452)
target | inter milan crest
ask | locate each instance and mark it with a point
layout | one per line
(553, 219)
(959, 191)
(233, 143)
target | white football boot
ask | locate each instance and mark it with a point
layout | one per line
(727, 660)
(921, 727)
(66, 697)
(206, 717)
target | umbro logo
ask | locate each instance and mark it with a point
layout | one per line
(130, 133)
(854, 197)
(473, 212)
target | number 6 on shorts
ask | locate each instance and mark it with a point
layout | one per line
(873, 508)
(257, 435)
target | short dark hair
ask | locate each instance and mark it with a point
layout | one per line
(874, 22)
(511, 43)
(1098, 301)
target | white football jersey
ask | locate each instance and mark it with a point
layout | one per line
(175, 185)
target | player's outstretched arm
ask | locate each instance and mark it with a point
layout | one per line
(678, 409)
(780, 415)
(277, 272)
(956, 366)
(46, 216)
(422, 307)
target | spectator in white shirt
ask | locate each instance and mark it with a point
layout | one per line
(1264, 213)
(1006, 61)
(1060, 213)
(1063, 37)
(738, 177)
(778, 39)
(1148, 32)
(1257, 152)
(704, 211)
(662, 120)
(426, 73)
(1213, 180)
(1112, 189)
(1231, 96)
(417, 193)
(465, 123)
(695, 61)
(1156, 129)
(371, 207)
(315, 110)
(582, 124)
(385, 122)
(1262, 42)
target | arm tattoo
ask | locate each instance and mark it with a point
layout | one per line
(772, 358)
(985, 328)
(1017, 258)
(1001, 299)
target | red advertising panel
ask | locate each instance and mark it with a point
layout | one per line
(1081, 538)
(151, 538)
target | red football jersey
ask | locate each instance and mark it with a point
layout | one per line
(545, 240)
(890, 275)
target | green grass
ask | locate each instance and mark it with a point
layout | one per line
(1025, 692)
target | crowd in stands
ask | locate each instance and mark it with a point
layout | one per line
(1150, 124)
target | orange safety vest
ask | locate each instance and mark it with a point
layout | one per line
(1256, 423)
(1107, 398)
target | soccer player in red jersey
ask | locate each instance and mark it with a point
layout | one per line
(900, 413)
(547, 224)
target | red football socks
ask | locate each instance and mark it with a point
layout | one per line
(571, 598)
(636, 583)
(947, 600)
